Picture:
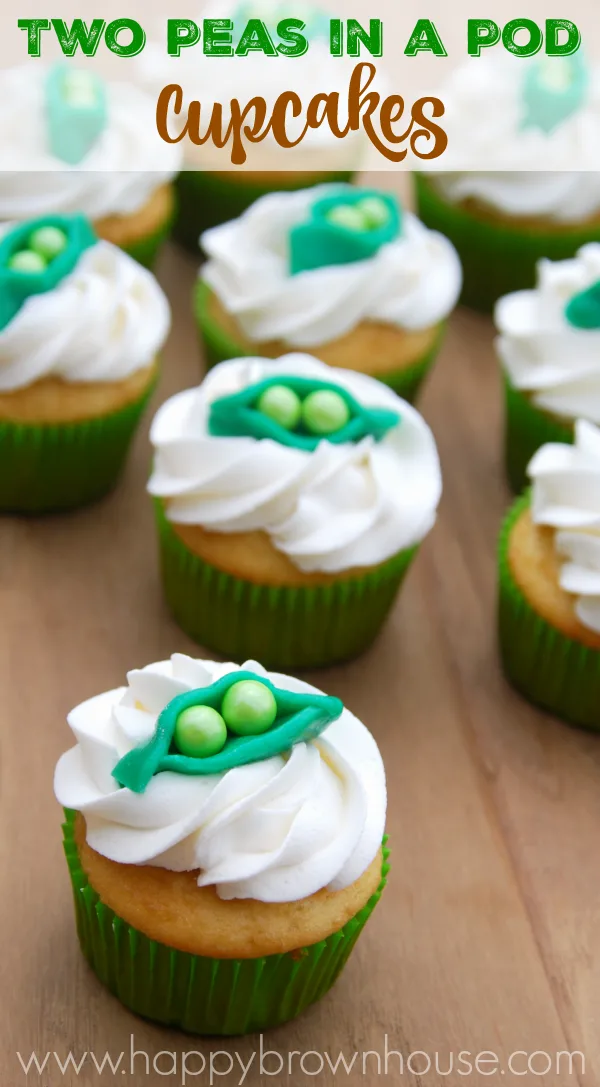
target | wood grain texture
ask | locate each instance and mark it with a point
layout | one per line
(488, 935)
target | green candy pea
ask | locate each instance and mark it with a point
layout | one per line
(27, 261)
(325, 412)
(249, 708)
(200, 731)
(282, 405)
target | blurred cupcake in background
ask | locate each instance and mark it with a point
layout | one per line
(74, 144)
(549, 349)
(343, 272)
(291, 499)
(535, 124)
(224, 837)
(210, 190)
(550, 582)
(81, 325)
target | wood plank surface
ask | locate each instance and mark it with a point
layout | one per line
(488, 936)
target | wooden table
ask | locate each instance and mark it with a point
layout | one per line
(487, 938)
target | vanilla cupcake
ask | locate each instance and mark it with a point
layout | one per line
(549, 349)
(81, 325)
(503, 195)
(224, 837)
(340, 271)
(291, 499)
(550, 581)
(72, 144)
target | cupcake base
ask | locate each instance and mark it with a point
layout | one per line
(197, 994)
(206, 198)
(284, 628)
(48, 468)
(498, 255)
(142, 233)
(219, 345)
(527, 428)
(555, 672)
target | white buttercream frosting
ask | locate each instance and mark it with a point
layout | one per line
(277, 830)
(339, 507)
(520, 171)
(412, 283)
(541, 352)
(117, 177)
(566, 497)
(105, 320)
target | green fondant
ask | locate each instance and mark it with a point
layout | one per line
(76, 112)
(325, 413)
(583, 310)
(348, 225)
(300, 718)
(16, 285)
(200, 731)
(282, 405)
(249, 708)
(553, 90)
(237, 416)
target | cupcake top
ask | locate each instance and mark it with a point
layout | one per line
(307, 267)
(566, 497)
(549, 341)
(74, 307)
(341, 481)
(71, 144)
(264, 786)
(524, 120)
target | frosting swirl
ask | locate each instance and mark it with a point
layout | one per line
(566, 497)
(524, 171)
(117, 177)
(104, 321)
(541, 352)
(276, 831)
(339, 507)
(413, 282)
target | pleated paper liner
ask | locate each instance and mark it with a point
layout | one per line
(527, 428)
(219, 346)
(498, 257)
(203, 995)
(554, 672)
(283, 628)
(60, 466)
(207, 199)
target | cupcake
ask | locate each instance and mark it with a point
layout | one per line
(291, 499)
(504, 197)
(73, 144)
(549, 349)
(343, 272)
(224, 837)
(550, 581)
(81, 324)
(211, 189)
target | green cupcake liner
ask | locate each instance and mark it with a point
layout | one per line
(218, 346)
(558, 674)
(206, 199)
(527, 428)
(497, 257)
(60, 466)
(203, 995)
(283, 628)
